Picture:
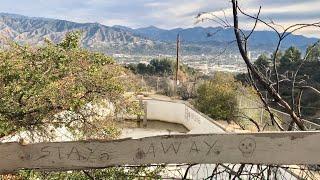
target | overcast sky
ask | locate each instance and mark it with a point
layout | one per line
(163, 13)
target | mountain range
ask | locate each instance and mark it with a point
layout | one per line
(148, 40)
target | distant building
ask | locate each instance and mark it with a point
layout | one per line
(203, 68)
(144, 62)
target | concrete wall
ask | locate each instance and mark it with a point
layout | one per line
(286, 119)
(255, 109)
(181, 113)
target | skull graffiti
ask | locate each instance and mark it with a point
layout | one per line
(247, 147)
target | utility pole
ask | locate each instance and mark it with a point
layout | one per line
(177, 64)
(158, 79)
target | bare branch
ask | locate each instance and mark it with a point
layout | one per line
(311, 88)
(187, 171)
(261, 79)
(255, 24)
(297, 71)
(258, 19)
(265, 103)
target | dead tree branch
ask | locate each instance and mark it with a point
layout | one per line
(258, 76)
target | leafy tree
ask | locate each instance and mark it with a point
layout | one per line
(162, 66)
(142, 68)
(308, 74)
(40, 87)
(278, 56)
(218, 97)
(291, 55)
(38, 83)
(314, 53)
(71, 41)
(263, 62)
(132, 67)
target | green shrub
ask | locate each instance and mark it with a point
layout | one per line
(218, 97)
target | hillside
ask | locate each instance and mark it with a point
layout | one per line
(218, 34)
(148, 40)
(34, 30)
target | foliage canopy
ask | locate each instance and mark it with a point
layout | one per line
(37, 83)
(218, 97)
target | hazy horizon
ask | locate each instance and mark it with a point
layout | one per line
(165, 14)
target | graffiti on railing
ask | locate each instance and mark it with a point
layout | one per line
(191, 115)
(75, 153)
(194, 148)
(260, 148)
